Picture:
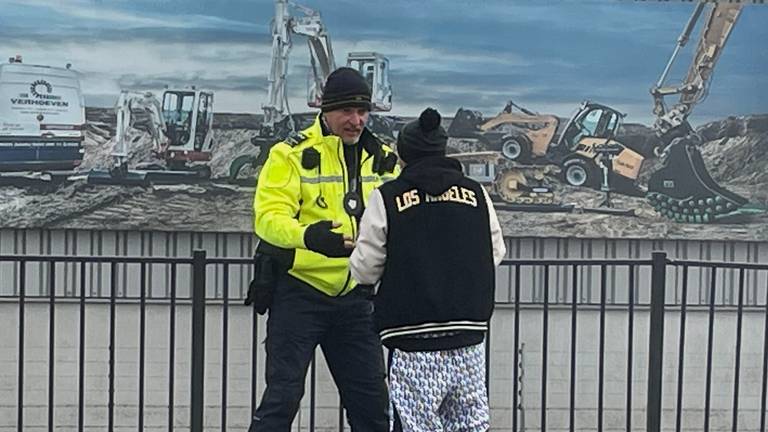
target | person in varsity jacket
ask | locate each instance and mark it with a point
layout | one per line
(429, 242)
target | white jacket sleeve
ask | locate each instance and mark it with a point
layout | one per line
(370, 254)
(497, 237)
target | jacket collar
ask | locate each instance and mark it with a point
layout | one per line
(370, 143)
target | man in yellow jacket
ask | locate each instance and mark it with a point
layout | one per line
(309, 198)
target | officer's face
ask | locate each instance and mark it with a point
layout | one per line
(347, 123)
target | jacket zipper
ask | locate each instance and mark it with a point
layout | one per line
(345, 172)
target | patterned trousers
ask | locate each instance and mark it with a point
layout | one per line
(439, 391)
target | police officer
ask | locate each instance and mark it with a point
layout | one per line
(431, 240)
(309, 198)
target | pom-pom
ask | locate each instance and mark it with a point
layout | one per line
(429, 120)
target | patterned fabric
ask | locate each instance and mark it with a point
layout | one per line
(439, 391)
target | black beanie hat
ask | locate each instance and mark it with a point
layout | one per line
(422, 137)
(345, 87)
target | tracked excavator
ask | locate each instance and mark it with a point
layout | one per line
(682, 189)
(294, 19)
(180, 127)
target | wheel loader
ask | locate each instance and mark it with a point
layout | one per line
(527, 137)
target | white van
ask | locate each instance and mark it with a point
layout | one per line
(42, 117)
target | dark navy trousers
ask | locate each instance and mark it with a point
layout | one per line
(300, 319)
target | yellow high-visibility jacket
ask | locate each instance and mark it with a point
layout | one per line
(291, 195)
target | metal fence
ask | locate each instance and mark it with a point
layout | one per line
(652, 287)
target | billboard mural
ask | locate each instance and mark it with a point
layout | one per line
(620, 119)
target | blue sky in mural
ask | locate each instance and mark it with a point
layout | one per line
(545, 55)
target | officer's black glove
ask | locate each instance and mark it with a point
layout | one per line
(261, 288)
(319, 238)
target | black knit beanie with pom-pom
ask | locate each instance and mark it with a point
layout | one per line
(423, 137)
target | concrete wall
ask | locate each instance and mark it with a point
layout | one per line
(66, 349)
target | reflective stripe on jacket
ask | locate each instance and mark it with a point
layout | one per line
(289, 197)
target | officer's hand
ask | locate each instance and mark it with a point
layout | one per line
(319, 238)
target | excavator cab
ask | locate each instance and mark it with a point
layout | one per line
(375, 68)
(188, 118)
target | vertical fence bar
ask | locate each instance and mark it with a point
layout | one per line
(22, 300)
(601, 349)
(142, 340)
(172, 349)
(197, 386)
(764, 382)
(254, 359)
(488, 361)
(630, 344)
(574, 292)
(544, 349)
(81, 354)
(51, 342)
(710, 339)
(656, 340)
(112, 302)
(254, 354)
(313, 391)
(681, 352)
(737, 371)
(224, 347)
(515, 359)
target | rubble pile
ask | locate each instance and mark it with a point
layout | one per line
(735, 151)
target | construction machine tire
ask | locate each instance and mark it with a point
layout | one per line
(516, 149)
(682, 189)
(580, 172)
(241, 164)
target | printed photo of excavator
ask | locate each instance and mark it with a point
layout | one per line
(596, 161)
(588, 152)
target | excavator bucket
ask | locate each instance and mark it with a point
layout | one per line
(466, 123)
(683, 190)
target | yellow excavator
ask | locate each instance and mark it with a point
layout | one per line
(682, 189)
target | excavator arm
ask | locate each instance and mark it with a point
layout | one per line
(126, 103)
(682, 189)
(294, 19)
(284, 24)
(320, 51)
(720, 21)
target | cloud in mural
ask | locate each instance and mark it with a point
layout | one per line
(476, 54)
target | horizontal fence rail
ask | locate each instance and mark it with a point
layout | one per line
(575, 344)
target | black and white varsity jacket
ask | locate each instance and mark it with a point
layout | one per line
(430, 240)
